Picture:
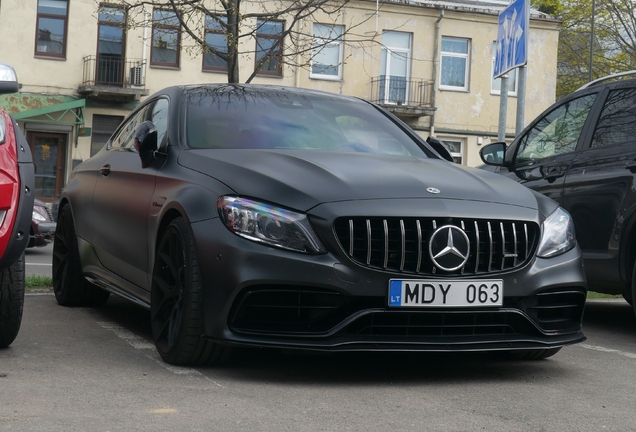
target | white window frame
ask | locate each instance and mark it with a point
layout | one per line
(321, 42)
(462, 146)
(386, 68)
(511, 75)
(448, 54)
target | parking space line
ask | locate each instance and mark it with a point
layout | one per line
(608, 350)
(140, 343)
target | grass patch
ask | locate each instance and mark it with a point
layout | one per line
(595, 295)
(34, 281)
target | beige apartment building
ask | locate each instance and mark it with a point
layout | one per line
(429, 62)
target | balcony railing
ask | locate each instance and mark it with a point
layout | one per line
(113, 71)
(113, 77)
(410, 97)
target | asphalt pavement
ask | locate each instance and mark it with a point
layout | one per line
(96, 369)
(38, 260)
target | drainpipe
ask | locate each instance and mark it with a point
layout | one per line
(435, 67)
(143, 46)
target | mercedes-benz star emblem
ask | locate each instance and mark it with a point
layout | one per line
(449, 248)
(432, 190)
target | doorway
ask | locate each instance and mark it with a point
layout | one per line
(49, 159)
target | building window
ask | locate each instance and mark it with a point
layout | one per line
(269, 47)
(454, 65)
(395, 63)
(456, 149)
(215, 37)
(52, 22)
(103, 128)
(495, 84)
(166, 38)
(326, 56)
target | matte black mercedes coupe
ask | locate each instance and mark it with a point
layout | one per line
(267, 216)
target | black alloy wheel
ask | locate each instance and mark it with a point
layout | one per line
(69, 285)
(11, 301)
(176, 301)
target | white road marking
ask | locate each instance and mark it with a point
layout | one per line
(150, 350)
(39, 264)
(608, 350)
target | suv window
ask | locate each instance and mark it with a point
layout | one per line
(557, 132)
(617, 123)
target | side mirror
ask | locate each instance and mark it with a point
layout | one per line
(440, 148)
(146, 142)
(8, 79)
(493, 154)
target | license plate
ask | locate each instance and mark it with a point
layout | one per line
(445, 293)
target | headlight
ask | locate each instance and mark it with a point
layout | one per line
(557, 236)
(39, 214)
(264, 223)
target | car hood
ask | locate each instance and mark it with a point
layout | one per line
(302, 179)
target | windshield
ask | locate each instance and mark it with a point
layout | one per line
(253, 117)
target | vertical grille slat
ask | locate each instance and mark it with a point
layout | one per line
(477, 247)
(514, 239)
(403, 235)
(490, 249)
(385, 225)
(368, 242)
(403, 244)
(503, 246)
(419, 246)
(351, 237)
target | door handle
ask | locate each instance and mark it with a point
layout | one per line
(105, 170)
(554, 173)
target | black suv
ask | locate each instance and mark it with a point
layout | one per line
(582, 153)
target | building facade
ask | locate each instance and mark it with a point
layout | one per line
(83, 67)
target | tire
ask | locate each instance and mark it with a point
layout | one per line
(175, 309)
(538, 354)
(11, 301)
(69, 285)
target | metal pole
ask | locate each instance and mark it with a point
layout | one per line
(503, 108)
(521, 99)
(592, 41)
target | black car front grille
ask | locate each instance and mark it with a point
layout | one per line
(287, 311)
(402, 244)
(441, 324)
(556, 309)
(291, 310)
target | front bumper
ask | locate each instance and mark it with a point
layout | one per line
(254, 295)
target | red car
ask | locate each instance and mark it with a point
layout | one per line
(16, 207)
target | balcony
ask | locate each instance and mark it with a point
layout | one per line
(406, 98)
(112, 78)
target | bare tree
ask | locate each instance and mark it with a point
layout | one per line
(239, 22)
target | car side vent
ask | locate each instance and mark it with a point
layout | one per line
(402, 244)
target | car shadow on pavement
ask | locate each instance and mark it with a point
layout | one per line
(609, 315)
(302, 367)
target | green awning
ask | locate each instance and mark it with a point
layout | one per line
(55, 113)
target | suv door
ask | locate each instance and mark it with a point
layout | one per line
(542, 155)
(600, 188)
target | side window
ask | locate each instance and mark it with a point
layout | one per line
(456, 149)
(617, 123)
(125, 137)
(160, 119)
(556, 133)
(455, 63)
(51, 27)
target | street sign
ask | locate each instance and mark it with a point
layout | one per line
(512, 37)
